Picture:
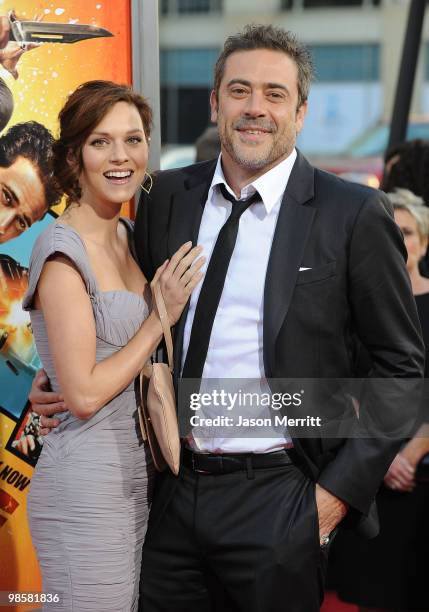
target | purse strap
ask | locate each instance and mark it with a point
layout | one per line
(165, 323)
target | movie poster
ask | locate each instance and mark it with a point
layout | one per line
(46, 50)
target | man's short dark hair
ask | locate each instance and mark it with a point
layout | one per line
(32, 141)
(269, 37)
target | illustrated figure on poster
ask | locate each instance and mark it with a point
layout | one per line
(28, 440)
(18, 37)
(10, 54)
(27, 192)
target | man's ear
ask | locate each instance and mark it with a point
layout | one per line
(213, 106)
(300, 116)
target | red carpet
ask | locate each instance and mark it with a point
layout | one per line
(333, 604)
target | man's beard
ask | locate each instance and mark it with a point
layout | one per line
(280, 147)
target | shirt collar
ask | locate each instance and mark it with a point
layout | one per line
(270, 185)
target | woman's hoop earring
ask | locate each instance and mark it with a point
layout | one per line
(148, 180)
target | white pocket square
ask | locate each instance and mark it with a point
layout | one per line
(302, 269)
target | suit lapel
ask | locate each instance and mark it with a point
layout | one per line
(292, 231)
(186, 211)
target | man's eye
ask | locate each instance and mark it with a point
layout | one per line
(238, 91)
(7, 198)
(275, 95)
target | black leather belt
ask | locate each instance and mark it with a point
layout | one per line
(226, 463)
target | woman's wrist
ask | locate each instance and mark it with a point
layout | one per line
(155, 323)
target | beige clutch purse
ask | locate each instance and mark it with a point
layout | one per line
(157, 411)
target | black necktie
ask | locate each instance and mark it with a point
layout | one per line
(212, 288)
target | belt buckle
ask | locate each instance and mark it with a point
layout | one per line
(194, 466)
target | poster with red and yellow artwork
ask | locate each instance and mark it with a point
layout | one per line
(36, 76)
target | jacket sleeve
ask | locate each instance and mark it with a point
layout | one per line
(141, 236)
(385, 318)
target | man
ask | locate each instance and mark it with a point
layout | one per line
(312, 263)
(27, 190)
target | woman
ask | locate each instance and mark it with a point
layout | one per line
(88, 299)
(406, 168)
(390, 571)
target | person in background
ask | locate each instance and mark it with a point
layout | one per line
(389, 572)
(407, 168)
(208, 144)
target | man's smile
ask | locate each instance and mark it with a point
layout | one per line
(252, 135)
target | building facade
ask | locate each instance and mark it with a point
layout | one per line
(356, 46)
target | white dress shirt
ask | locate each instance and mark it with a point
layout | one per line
(236, 342)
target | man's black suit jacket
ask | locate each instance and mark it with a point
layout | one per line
(357, 287)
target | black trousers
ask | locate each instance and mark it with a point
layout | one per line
(233, 542)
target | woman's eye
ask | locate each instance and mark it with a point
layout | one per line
(134, 139)
(99, 142)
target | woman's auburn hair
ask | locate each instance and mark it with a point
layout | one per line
(82, 112)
